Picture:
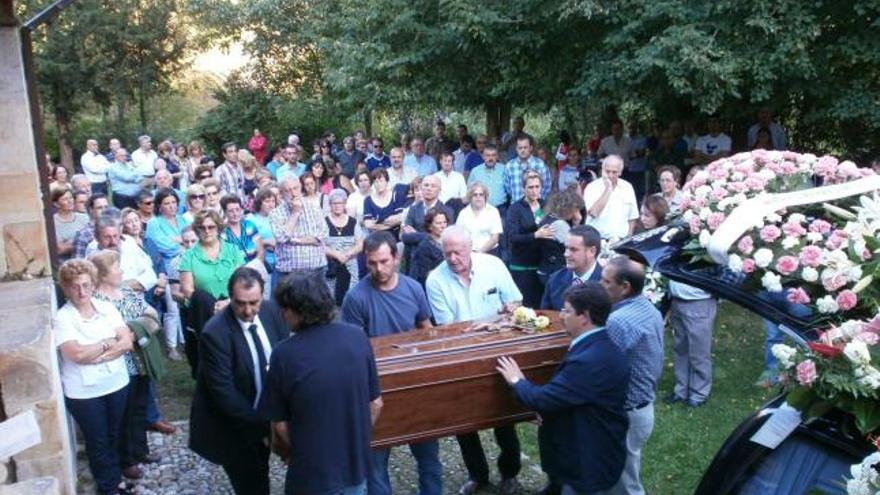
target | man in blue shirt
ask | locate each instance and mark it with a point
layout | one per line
(383, 303)
(582, 246)
(582, 436)
(322, 392)
(423, 164)
(636, 327)
(524, 160)
(492, 176)
(378, 158)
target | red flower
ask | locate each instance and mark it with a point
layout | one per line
(825, 350)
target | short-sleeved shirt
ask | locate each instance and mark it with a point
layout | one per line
(482, 226)
(212, 276)
(614, 220)
(245, 241)
(264, 227)
(321, 381)
(713, 145)
(490, 288)
(381, 312)
(87, 381)
(65, 231)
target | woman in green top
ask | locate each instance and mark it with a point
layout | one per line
(208, 265)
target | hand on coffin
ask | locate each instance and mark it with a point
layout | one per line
(509, 370)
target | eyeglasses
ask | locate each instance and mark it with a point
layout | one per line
(566, 311)
(198, 196)
(206, 228)
(147, 202)
(477, 194)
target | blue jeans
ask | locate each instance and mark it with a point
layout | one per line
(427, 456)
(360, 489)
(774, 334)
(99, 419)
(153, 415)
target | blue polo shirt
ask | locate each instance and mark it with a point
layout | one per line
(381, 312)
(321, 381)
(374, 162)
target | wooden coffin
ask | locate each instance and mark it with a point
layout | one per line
(442, 381)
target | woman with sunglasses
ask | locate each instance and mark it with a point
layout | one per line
(195, 201)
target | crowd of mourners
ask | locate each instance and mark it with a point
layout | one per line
(172, 253)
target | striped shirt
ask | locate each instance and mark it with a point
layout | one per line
(636, 327)
(289, 256)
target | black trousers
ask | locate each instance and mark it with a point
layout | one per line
(474, 457)
(132, 432)
(194, 316)
(249, 475)
(530, 285)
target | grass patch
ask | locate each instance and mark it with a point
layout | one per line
(685, 440)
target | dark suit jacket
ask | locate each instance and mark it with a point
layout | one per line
(583, 434)
(559, 282)
(223, 420)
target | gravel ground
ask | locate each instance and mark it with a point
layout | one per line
(181, 472)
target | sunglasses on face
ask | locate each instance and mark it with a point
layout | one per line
(207, 228)
(198, 196)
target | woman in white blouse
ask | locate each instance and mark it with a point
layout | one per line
(92, 338)
(481, 219)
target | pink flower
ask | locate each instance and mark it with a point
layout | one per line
(835, 240)
(866, 254)
(810, 256)
(755, 183)
(748, 265)
(792, 229)
(790, 156)
(806, 372)
(760, 156)
(826, 167)
(834, 282)
(820, 226)
(744, 168)
(717, 173)
(745, 245)
(847, 300)
(737, 187)
(789, 168)
(770, 233)
(776, 167)
(694, 224)
(869, 338)
(699, 203)
(719, 193)
(798, 296)
(786, 265)
(848, 169)
(685, 202)
(714, 220)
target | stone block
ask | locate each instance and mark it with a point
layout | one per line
(26, 249)
(37, 486)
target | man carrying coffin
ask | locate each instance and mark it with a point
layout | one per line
(468, 286)
(383, 303)
(582, 246)
(582, 436)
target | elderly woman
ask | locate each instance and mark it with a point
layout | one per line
(429, 252)
(239, 232)
(562, 212)
(205, 270)
(481, 219)
(523, 218)
(131, 305)
(195, 201)
(343, 245)
(669, 178)
(653, 213)
(67, 221)
(92, 338)
(212, 194)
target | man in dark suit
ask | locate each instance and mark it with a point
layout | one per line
(582, 437)
(234, 351)
(582, 246)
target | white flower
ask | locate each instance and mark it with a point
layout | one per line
(735, 263)
(807, 158)
(773, 217)
(850, 328)
(857, 352)
(814, 237)
(701, 176)
(784, 354)
(739, 198)
(767, 174)
(763, 257)
(774, 156)
(703, 191)
(737, 176)
(854, 274)
(771, 281)
(687, 215)
(789, 242)
(809, 274)
(705, 236)
(797, 218)
(724, 203)
(827, 304)
(704, 214)
(858, 487)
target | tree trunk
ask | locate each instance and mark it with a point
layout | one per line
(142, 109)
(497, 118)
(368, 122)
(65, 150)
(120, 113)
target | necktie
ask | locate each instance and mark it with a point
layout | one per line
(578, 282)
(261, 356)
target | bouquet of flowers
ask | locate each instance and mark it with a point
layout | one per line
(823, 255)
(865, 476)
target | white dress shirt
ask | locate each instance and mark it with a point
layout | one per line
(620, 209)
(264, 343)
(452, 185)
(95, 167)
(145, 163)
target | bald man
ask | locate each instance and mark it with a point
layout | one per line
(611, 202)
(95, 166)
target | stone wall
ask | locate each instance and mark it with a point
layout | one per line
(28, 359)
